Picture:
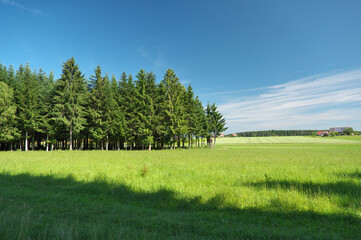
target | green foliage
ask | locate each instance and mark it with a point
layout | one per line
(216, 122)
(172, 107)
(97, 105)
(348, 131)
(70, 99)
(8, 131)
(69, 112)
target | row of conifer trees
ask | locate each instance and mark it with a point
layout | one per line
(38, 112)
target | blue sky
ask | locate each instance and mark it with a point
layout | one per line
(266, 64)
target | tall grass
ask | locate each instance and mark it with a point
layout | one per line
(297, 191)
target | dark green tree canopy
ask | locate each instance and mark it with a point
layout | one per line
(101, 112)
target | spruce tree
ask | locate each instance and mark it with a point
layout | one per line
(28, 96)
(139, 113)
(130, 103)
(98, 86)
(145, 88)
(8, 131)
(151, 101)
(216, 122)
(118, 122)
(47, 90)
(112, 117)
(200, 123)
(69, 99)
(173, 107)
(190, 114)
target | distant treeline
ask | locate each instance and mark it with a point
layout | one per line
(269, 133)
(39, 112)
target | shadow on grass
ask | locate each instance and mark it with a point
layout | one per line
(348, 193)
(44, 207)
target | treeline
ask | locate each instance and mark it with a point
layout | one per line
(38, 112)
(269, 133)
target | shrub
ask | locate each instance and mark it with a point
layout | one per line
(348, 131)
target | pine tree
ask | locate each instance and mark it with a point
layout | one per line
(190, 114)
(173, 107)
(98, 86)
(3, 74)
(200, 123)
(47, 90)
(145, 88)
(11, 80)
(69, 99)
(151, 101)
(216, 122)
(118, 122)
(128, 106)
(112, 117)
(28, 96)
(140, 113)
(8, 131)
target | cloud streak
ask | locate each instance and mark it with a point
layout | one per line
(18, 5)
(155, 58)
(314, 102)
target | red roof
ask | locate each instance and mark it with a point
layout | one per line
(320, 132)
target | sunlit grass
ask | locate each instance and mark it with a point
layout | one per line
(301, 191)
(289, 140)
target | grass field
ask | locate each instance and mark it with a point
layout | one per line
(270, 191)
(289, 140)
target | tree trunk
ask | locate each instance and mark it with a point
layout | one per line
(150, 146)
(47, 143)
(107, 143)
(26, 140)
(190, 141)
(71, 137)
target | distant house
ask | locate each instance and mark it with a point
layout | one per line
(338, 129)
(234, 134)
(222, 135)
(322, 133)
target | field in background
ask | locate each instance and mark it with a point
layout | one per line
(280, 191)
(289, 140)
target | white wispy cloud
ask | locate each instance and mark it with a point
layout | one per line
(18, 5)
(234, 91)
(317, 101)
(155, 58)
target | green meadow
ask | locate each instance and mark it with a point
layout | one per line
(307, 188)
(289, 140)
